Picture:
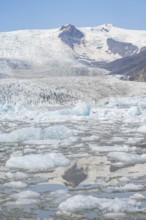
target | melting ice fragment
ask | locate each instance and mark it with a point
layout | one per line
(31, 133)
(134, 111)
(26, 195)
(15, 184)
(142, 129)
(80, 203)
(24, 198)
(127, 157)
(37, 162)
(81, 109)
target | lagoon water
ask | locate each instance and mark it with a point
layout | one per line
(82, 162)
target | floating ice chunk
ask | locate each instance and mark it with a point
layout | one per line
(6, 108)
(116, 148)
(24, 198)
(81, 203)
(78, 203)
(31, 133)
(132, 187)
(16, 176)
(127, 157)
(142, 129)
(81, 109)
(124, 179)
(64, 111)
(25, 195)
(134, 111)
(37, 162)
(15, 184)
(91, 138)
(137, 196)
(22, 202)
(127, 187)
(117, 216)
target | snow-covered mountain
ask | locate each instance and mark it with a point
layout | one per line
(67, 50)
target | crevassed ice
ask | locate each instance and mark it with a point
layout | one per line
(38, 162)
(31, 133)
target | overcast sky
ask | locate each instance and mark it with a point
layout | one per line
(44, 14)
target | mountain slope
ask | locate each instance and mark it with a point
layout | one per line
(131, 67)
(66, 51)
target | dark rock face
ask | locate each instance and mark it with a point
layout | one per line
(142, 49)
(70, 35)
(132, 67)
(121, 48)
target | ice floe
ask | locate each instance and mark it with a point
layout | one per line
(37, 162)
(80, 109)
(24, 198)
(15, 184)
(142, 129)
(138, 196)
(32, 133)
(134, 111)
(127, 157)
(28, 194)
(116, 148)
(16, 175)
(127, 187)
(80, 203)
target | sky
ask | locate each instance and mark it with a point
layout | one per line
(46, 14)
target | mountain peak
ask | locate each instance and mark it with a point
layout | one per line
(67, 27)
(70, 35)
(106, 27)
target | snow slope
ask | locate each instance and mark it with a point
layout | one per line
(30, 53)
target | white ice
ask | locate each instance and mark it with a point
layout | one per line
(127, 157)
(15, 184)
(37, 162)
(142, 129)
(80, 109)
(16, 176)
(26, 195)
(134, 111)
(24, 198)
(80, 203)
(31, 133)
